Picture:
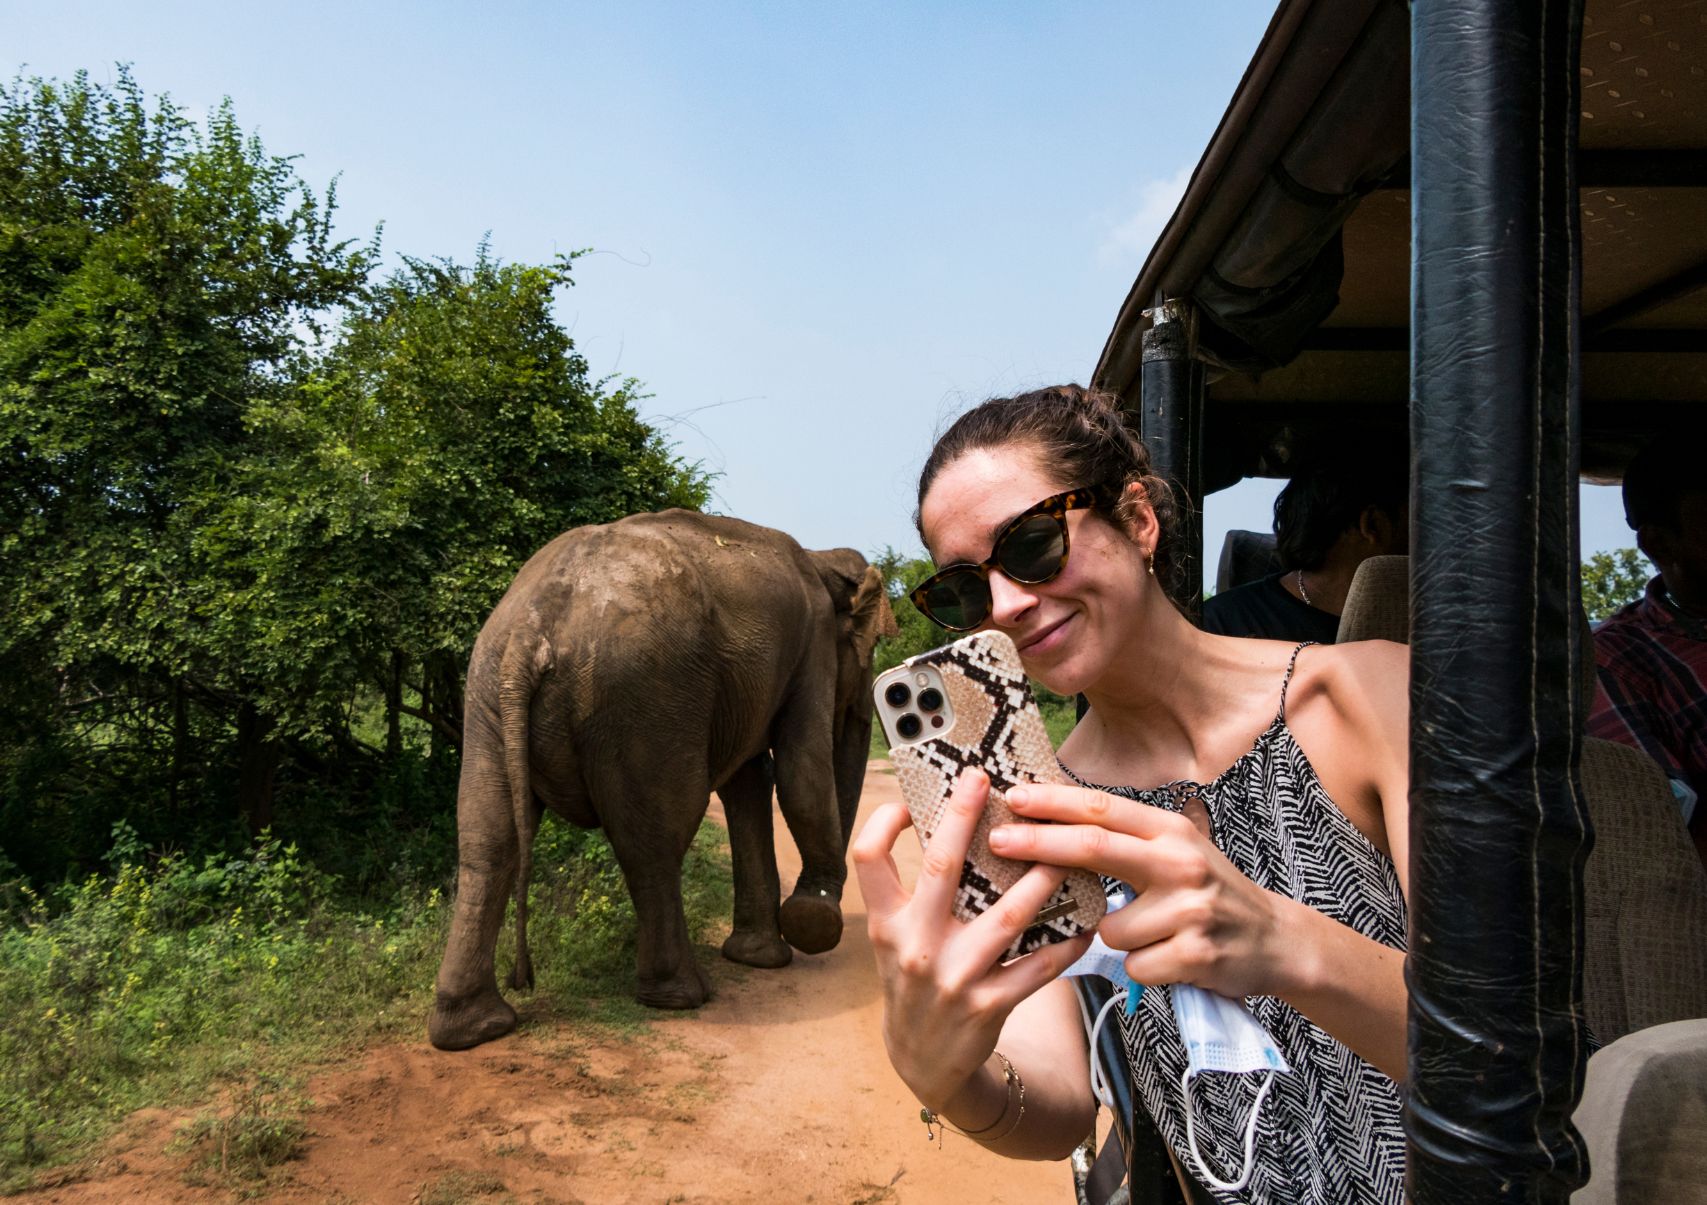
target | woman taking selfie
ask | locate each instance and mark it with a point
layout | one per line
(1251, 793)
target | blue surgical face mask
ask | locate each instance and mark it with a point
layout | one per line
(1220, 1036)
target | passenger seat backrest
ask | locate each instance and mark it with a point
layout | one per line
(1643, 1114)
(1646, 898)
(1378, 605)
(1246, 556)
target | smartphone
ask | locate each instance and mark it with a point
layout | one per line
(966, 705)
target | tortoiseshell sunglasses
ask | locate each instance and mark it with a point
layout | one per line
(1030, 548)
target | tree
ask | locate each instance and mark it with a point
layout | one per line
(223, 543)
(153, 281)
(1612, 579)
(917, 634)
(451, 432)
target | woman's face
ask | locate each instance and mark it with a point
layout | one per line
(1070, 628)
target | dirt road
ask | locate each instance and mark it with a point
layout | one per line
(776, 1091)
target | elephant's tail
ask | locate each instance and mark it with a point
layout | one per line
(527, 656)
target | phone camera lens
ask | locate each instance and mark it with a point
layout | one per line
(908, 726)
(930, 699)
(896, 694)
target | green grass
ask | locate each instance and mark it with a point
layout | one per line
(152, 984)
(1059, 716)
(459, 1188)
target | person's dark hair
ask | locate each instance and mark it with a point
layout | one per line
(1331, 486)
(1660, 475)
(1081, 437)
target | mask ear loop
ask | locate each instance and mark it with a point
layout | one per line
(1100, 1087)
(1250, 1136)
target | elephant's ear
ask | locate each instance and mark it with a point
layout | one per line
(873, 617)
(857, 589)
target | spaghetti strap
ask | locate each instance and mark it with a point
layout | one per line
(1280, 715)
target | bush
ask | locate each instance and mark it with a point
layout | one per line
(262, 1129)
(147, 984)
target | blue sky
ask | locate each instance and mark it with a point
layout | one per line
(818, 233)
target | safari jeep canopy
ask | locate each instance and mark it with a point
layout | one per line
(1484, 221)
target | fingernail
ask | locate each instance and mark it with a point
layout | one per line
(1019, 795)
(999, 837)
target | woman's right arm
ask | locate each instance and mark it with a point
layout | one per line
(948, 1003)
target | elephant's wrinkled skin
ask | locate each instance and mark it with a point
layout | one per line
(631, 670)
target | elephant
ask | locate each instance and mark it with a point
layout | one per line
(631, 669)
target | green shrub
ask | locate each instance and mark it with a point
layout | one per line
(262, 1129)
(146, 985)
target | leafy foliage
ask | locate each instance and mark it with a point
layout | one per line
(153, 282)
(901, 572)
(256, 506)
(262, 1129)
(1612, 579)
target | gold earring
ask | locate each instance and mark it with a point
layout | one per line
(1150, 564)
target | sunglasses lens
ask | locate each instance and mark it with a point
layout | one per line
(959, 600)
(1033, 549)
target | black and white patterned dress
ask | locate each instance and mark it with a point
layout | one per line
(1329, 1133)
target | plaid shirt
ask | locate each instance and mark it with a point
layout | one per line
(1652, 662)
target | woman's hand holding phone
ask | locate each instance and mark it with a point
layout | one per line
(946, 993)
(1198, 919)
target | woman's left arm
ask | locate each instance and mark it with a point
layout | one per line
(1199, 920)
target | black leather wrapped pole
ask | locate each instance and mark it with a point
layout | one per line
(1171, 424)
(1498, 827)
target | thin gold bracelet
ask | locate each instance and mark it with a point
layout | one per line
(1010, 1077)
(1020, 1116)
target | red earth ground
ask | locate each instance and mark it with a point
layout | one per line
(776, 1091)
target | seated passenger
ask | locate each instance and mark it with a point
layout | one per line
(1342, 506)
(1253, 792)
(1652, 654)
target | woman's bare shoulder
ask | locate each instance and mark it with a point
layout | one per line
(1368, 681)
(1360, 658)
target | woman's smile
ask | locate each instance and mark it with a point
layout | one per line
(1047, 639)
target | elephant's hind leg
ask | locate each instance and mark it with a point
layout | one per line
(756, 941)
(651, 814)
(467, 1007)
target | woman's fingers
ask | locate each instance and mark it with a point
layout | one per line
(1135, 842)
(1082, 805)
(1172, 960)
(945, 848)
(1148, 919)
(1023, 976)
(874, 862)
(989, 935)
(1088, 846)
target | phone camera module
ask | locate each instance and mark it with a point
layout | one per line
(896, 694)
(908, 726)
(930, 699)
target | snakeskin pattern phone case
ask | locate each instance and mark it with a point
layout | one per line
(995, 725)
